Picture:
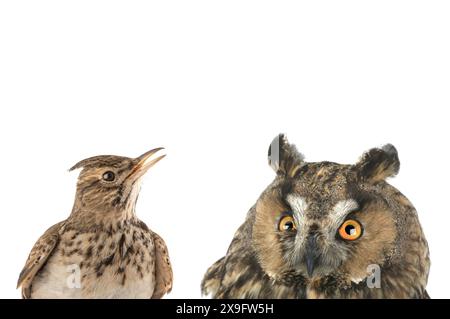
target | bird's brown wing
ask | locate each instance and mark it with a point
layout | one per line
(37, 258)
(164, 275)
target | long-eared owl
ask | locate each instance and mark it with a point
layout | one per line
(326, 230)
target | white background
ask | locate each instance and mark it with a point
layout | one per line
(214, 82)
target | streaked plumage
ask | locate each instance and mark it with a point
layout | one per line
(320, 230)
(102, 250)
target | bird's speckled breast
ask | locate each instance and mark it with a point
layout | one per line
(99, 264)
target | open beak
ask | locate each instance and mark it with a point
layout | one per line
(145, 161)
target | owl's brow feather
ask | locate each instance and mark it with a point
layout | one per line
(297, 203)
(343, 208)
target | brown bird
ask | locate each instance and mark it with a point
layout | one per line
(326, 230)
(102, 250)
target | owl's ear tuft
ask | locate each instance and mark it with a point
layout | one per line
(378, 164)
(283, 157)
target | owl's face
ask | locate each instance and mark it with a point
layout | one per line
(318, 219)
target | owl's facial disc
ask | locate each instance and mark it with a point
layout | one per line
(322, 223)
(318, 247)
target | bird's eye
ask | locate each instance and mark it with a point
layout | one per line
(109, 176)
(350, 230)
(287, 223)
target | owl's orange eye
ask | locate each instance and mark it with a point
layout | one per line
(350, 230)
(287, 223)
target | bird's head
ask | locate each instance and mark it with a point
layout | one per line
(324, 218)
(109, 183)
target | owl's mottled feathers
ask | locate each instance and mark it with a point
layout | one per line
(311, 259)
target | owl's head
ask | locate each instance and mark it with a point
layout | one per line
(321, 218)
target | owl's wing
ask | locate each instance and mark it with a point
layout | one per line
(239, 274)
(40, 253)
(213, 277)
(223, 277)
(234, 275)
(164, 275)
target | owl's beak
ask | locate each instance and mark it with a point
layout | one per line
(312, 255)
(145, 161)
